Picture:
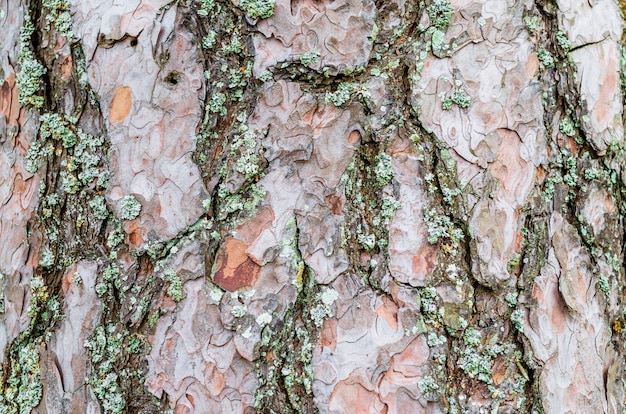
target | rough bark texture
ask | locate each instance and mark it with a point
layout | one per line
(312, 206)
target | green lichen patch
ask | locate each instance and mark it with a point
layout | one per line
(384, 171)
(342, 94)
(129, 208)
(22, 390)
(20, 385)
(58, 16)
(258, 8)
(105, 347)
(309, 58)
(175, 290)
(29, 76)
(440, 13)
(370, 206)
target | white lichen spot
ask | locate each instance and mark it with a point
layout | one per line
(239, 311)
(329, 296)
(263, 319)
(216, 294)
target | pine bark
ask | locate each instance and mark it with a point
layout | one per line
(312, 206)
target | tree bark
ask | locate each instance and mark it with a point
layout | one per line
(312, 206)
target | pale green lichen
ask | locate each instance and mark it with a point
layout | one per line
(216, 104)
(384, 170)
(216, 294)
(517, 319)
(209, 40)
(239, 311)
(427, 385)
(323, 309)
(435, 340)
(245, 145)
(567, 127)
(105, 347)
(511, 299)
(116, 237)
(175, 290)
(98, 207)
(263, 319)
(206, 6)
(441, 227)
(129, 208)
(23, 389)
(235, 46)
(531, 23)
(258, 8)
(47, 258)
(603, 284)
(309, 58)
(458, 97)
(367, 241)
(59, 16)
(545, 58)
(440, 13)
(388, 208)
(563, 41)
(437, 39)
(342, 94)
(476, 360)
(30, 75)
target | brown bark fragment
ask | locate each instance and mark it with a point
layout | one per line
(234, 268)
(121, 103)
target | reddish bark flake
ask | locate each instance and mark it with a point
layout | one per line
(234, 268)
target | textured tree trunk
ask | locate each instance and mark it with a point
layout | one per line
(334, 206)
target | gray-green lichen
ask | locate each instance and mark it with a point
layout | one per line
(129, 208)
(22, 391)
(30, 73)
(59, 16)
(384, 171)
(175, 290)
(440, 13)
(105, 347)
(258, 8)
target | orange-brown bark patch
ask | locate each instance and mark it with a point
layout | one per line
(136, 233)
(532, 64)
(425, 261)
(234, 268)
(354, 137)
(120, 105)
(9, 104)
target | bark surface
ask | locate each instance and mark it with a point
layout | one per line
(312, 206)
